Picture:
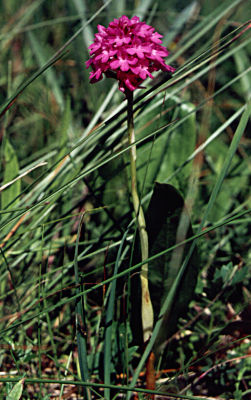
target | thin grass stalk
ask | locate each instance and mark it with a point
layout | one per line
(57, 55)
(109, 322)
(65, 374)
(135, 267)
(80, 320)
(99, 386)
(205, 25)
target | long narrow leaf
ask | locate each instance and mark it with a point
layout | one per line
(80, 320)
(169, 299)
(109, 321)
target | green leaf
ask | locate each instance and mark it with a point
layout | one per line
(240, 275)
(109, 322)
(17, 391)
(114, 183)
(224, 272)
(41, 56)
(235, 183)
(80, 319)
(63, 130)
(159, 159)
(167, 224)
(181, 144)
(11, 170)
(218, 185)
(242, 63)
(151, 155)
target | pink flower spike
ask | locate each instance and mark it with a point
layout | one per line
(128, 50)
(143, 30)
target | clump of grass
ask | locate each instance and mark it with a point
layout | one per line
(67, 232)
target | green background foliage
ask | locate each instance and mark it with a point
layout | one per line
(68, 254)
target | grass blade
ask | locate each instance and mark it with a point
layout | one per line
(169, 299)
(11, 170)
(109, 321)
(80, 320)
(59, 54)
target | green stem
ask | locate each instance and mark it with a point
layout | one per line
(146, 304)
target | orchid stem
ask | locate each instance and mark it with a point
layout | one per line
(146, 304)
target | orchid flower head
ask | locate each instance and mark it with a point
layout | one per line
(128, 50)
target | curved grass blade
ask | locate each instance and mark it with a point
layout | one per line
(11, 170)
(27, 13)
(121, 274)
(80, 319)
(88, 34)
(109, 321)
(169, 299)
(50, 75)
(205, 25)
(101, 386)
(171, 94)
(9, 102)
(59, 54)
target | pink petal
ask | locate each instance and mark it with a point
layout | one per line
(94, 47)
(115, 64)
(96, 76)
(105, 57)
(124, 66)
(102, 30)
(155, 37)
(135, 70)
(129, 84)
(131, 50)
(133, 61)
(88, 62)
(135, 20)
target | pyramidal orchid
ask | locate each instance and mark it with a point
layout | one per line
(128, 50)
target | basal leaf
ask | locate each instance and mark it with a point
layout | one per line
(167, 224)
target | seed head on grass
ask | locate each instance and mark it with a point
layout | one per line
(128, 50)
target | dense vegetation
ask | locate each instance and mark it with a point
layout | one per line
(70, 322)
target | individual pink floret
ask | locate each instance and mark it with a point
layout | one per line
(129, 50)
